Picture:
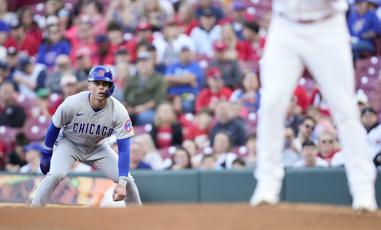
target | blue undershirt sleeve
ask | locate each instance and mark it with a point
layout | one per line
(124, 156)
(51, 135)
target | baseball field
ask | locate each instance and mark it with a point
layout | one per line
(237, 216)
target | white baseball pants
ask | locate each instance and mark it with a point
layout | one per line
(65, 154)
(324, 48)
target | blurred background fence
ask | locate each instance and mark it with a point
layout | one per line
(327, 186)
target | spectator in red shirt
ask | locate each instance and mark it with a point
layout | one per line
(200, 127)
(143, 34)
(81, 37)
(116, 42)
(215, 92)
(318, 101)
(22, 41)
(250, 48)
(30, 26)
(166, 131)
(302, 98)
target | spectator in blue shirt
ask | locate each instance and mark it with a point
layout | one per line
(185, 79)
(52, 46)
(227, 122)
(364, 27)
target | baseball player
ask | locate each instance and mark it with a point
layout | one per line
(311, 33)
(80, 127)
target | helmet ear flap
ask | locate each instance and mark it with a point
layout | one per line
(109, 91)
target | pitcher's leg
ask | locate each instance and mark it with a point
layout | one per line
(280, 70)
(334, 73)
(360, 170)
(61, 161)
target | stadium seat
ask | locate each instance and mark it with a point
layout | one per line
(8, 137)
(26, 103)
(241, 151)
(35, 128)
(367, 77)
(142, 129)
(8, 134)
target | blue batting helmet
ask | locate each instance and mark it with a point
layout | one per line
(102, 73)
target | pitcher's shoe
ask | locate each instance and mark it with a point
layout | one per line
(263, 200)
(364, 205)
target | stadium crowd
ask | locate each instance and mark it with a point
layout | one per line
(187, 72)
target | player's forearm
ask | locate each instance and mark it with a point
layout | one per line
(51, 135)
(124, 157)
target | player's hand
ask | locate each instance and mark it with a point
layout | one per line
(46, 156)
(119, 192)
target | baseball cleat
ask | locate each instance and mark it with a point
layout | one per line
(362, 211)
(263, 201)
(364, 206)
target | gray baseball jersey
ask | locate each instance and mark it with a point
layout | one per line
(84, 126)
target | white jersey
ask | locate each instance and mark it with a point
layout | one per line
(309, 9)
(86, 127)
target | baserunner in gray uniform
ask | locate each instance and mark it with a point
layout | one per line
(79, 130)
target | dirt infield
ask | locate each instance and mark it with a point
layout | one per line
(190, 216)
